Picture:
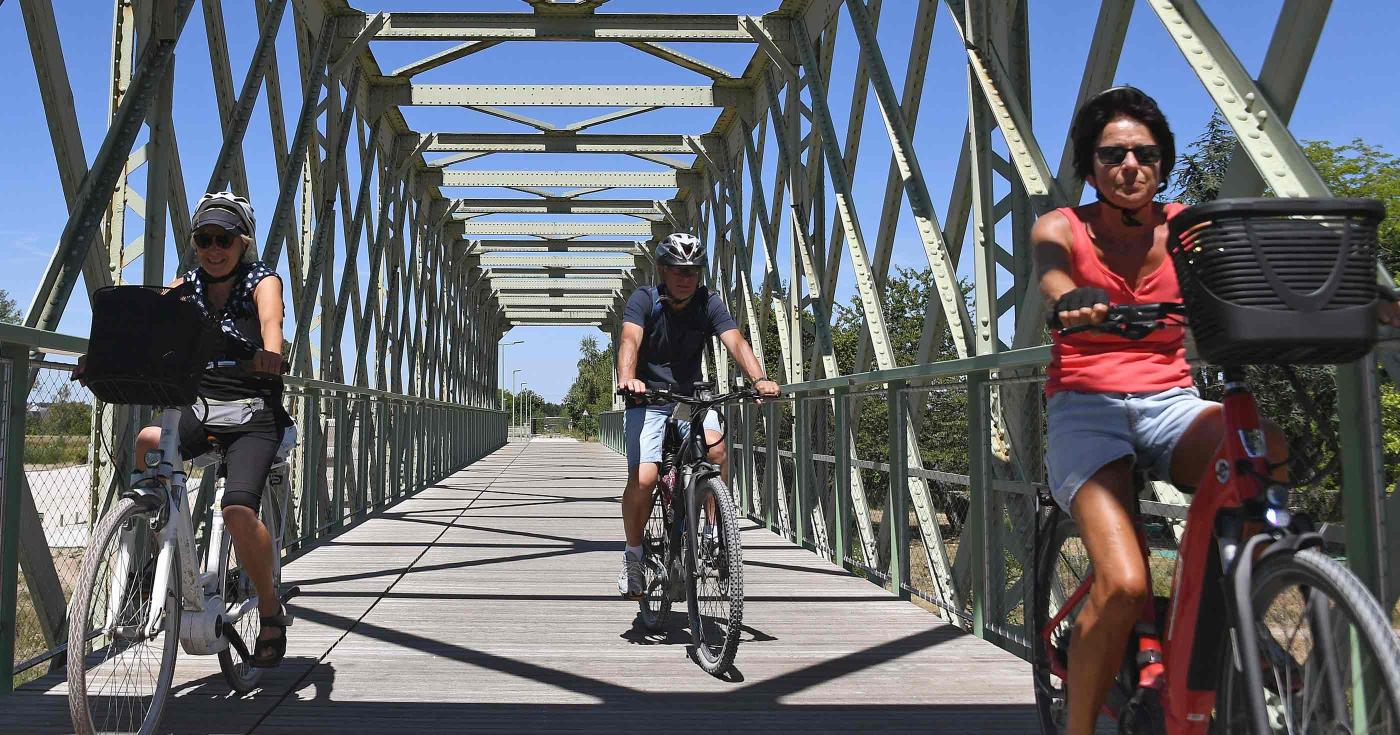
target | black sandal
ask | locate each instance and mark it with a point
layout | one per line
(268, 653)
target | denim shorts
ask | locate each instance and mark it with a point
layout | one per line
(1090, 430)
(645, 426)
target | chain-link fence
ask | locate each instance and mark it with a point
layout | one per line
(56, 501)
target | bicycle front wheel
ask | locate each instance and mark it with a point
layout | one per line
(122, 641)
(1328, 658)
(716, 580)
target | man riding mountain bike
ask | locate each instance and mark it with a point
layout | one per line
(664, 332)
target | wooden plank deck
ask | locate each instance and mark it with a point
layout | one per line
(488, 603)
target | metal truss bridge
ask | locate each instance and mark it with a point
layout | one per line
(416, 217)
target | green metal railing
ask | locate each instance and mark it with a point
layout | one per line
(610, 431)
(971, 511)
(358, 450)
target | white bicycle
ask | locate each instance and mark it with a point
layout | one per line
(146, 583)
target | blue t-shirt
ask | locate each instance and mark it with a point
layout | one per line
(672, 341)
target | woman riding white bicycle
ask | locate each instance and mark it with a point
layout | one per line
(240, 405)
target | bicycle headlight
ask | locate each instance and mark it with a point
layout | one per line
(1278, 517)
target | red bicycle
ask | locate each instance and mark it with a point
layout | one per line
(1263, 631)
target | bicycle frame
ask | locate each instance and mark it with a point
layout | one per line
(1211, 563)
(163, 487)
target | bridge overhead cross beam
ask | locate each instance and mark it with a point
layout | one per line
(560, 95)
(572, 179)
(549, 142)
(559, 26)
(568, 229)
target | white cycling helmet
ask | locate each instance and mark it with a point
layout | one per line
(229, 211)
(681, 248)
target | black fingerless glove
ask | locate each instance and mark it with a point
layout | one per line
(1073, 300)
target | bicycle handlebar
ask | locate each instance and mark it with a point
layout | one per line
(1133, 321)
(667, 396)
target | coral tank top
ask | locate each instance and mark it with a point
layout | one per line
(1094, 362)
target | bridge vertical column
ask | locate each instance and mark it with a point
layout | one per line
(770, 464)
(801, 468)
(842, 511)
(746, 418)
(896, 505)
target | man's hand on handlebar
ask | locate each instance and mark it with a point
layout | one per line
(632, 386)
(766, 387)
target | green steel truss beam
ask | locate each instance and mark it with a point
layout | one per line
(619, 27)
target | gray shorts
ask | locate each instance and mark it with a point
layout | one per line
(645, 426)
(1090, 430)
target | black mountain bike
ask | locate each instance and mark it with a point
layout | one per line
(691, 545)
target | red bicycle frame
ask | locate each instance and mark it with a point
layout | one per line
(1182, 665)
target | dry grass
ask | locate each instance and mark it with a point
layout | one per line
(29, 635)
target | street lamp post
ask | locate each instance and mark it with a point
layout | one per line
(499, 398)
(525, 409)
(514, 398)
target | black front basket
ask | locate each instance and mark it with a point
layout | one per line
(1279, 281)
(148, 347)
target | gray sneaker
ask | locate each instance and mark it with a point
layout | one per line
(631, 581)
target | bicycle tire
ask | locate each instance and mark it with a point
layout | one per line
(89, 710)
(1312, 570)
(716, 635)
(1060, 564)
(655, 605)
(238, 669)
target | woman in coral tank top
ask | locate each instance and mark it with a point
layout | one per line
(1117, 404)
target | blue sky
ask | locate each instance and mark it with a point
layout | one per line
(1349, 94)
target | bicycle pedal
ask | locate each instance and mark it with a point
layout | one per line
(289, 593)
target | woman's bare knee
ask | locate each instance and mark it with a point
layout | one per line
(239, 516)
(145, 442)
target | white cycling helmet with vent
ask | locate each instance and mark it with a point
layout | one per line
(229, 211)
(681, 248)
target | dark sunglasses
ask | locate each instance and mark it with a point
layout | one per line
(1112, 155)
(686, 271)
(204, 241)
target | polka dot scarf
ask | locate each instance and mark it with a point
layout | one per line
(240, 304)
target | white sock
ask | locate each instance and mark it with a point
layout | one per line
(635, 551)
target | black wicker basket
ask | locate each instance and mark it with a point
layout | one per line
(148, 347)
(1279, 281)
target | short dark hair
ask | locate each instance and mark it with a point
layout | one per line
(1108, 105)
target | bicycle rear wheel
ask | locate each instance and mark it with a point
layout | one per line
(1062, 563)
(656, 553)
(716, 577)
(119, 665)
(1329, 660)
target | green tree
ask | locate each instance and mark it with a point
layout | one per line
(9, 310)
(63, 416)
(1358, 169)
(592, 389)
(1202, 167)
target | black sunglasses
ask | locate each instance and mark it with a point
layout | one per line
(1112, 155)
(225, 241)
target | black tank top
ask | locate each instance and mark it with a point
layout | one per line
(240, 336)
